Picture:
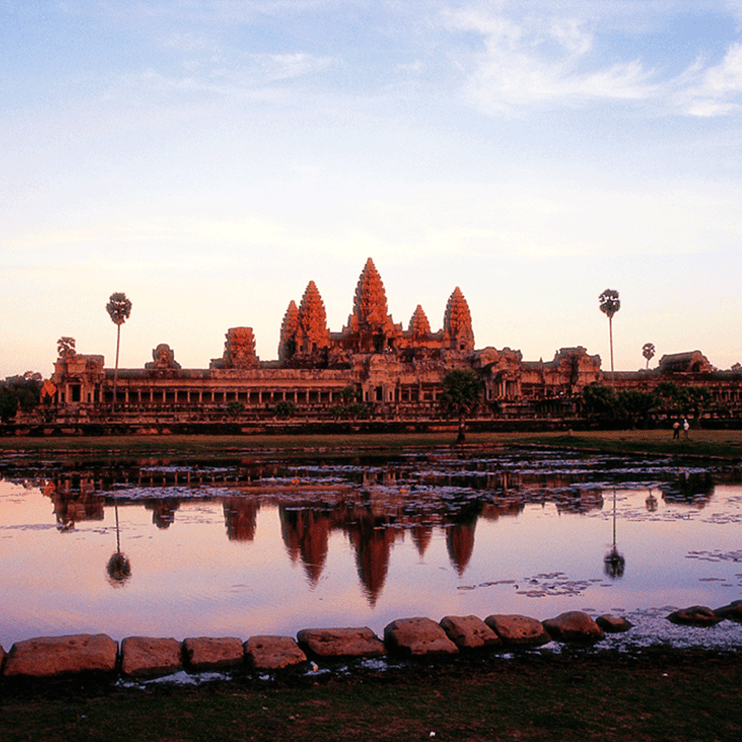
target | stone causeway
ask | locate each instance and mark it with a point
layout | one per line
(139, 657)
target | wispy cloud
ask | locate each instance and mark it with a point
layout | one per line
(536, 60)
(562, 58)
(717, 89)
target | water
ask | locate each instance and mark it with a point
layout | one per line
(239, 546)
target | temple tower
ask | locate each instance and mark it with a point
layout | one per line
(311, 334)
(239, 350)
(289, 328)
(419, 325)
(457, 330)
(370, 327)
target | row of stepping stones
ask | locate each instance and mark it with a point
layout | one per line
(143, 657)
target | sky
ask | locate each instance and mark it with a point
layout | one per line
(211, 157)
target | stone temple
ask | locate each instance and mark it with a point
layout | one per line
(372, 368)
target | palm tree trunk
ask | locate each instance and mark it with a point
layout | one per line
(610, 334)
(116, 368)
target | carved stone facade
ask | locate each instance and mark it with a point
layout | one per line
(395, 374)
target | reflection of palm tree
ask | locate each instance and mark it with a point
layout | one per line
(651, 502)
(614, 563)
(118, 567)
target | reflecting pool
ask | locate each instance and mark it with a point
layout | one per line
(243, 544)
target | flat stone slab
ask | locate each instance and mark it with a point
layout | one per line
(417, 637)
(204, 653)
(144, 656)
(48, 656)
(469, 632)
(613, 624)
(573, 626)
(695, 615)
(273, 652)
(341, 643)
(518, 631)
(731, 612)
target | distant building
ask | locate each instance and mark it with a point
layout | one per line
(395, 373)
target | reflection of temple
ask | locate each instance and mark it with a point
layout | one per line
(163, 511)
(240, 516)
(460, 545)
(306, 533)
(75, 500)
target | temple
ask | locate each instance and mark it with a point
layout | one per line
(373, 368)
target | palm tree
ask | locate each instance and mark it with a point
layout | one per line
(462, 392)
(648, 352)
(119, 309)
(609, 305)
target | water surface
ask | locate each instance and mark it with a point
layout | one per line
(242, 546)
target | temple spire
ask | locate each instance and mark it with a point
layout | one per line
(419, 324)
(289, 327)
(369, 305)
(312, 331)
(457, 329)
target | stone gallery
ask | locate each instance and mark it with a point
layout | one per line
(373, 367)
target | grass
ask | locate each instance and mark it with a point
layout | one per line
(701, 443)
(660, 696)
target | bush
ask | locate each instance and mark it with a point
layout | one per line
(19, 390)
(285, 408)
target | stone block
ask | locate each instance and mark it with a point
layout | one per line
(417, 637)
(613, 624)
(143, 656)
(204, 653)
(518, 631)
(695, 615)
(731, 612)
(573, 626)
(341, 643)
(273, 652)
(59, 655)
(469, 632)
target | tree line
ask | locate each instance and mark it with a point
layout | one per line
(632, 406)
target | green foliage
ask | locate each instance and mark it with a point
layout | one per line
(66, 347)
(600, 400)
(235, 409)
(285, 408)
(15, 391)
(118, 308)
(462, 392)
(648, 351)
(346, 411)
(635, 405)
(609, 302)
(349, 395)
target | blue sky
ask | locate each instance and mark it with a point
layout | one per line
(211, 158)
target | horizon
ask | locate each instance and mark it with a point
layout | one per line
(210, 159)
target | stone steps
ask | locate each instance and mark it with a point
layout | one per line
(147, 657)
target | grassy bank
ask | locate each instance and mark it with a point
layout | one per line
(701, 443)
(660, 696)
